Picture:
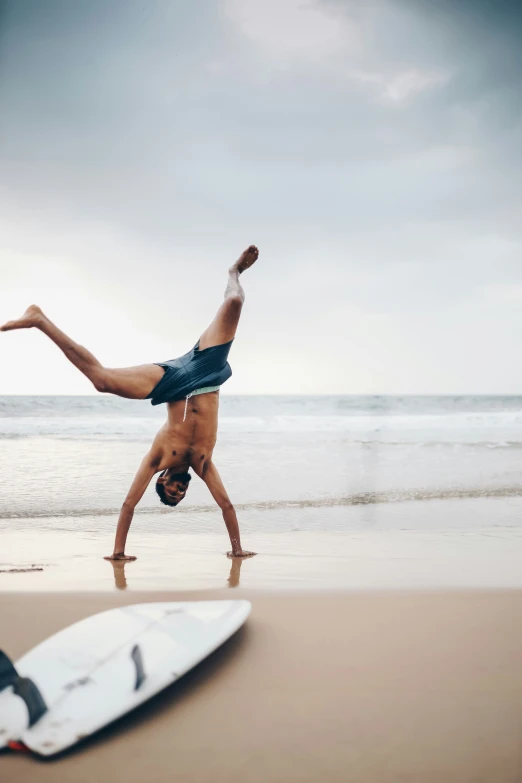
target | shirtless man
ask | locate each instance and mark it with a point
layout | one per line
(190, 388)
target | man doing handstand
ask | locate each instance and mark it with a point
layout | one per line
(188, 437)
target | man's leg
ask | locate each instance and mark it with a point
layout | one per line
(131, 382)
(223, 327)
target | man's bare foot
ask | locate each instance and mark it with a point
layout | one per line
(240, 553)
(120, 556)
(247, 258)
(33, 316)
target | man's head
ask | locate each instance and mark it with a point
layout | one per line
(172, 487)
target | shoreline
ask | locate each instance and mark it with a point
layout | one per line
(451, 557)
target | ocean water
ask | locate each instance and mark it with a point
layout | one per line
(307, 475)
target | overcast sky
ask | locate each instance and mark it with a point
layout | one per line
(372, 150)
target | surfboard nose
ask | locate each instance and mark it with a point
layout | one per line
(98, 669)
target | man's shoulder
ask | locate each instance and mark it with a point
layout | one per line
(154, 456)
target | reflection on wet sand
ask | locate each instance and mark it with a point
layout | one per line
(120, 579)
(235, 571)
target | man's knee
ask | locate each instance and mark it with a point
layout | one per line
(101, 380)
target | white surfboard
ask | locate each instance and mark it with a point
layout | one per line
(93, 672)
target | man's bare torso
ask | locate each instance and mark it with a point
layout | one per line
(183, 444)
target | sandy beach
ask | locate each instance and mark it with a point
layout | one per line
(261, 294)
(385, 639)
(336, 687)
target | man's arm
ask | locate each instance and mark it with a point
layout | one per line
(141, 481)
(212, 479)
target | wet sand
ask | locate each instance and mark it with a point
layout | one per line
(486, 558)
(331, 687)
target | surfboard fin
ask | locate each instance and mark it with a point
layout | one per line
(28, 691)
(23, 687)
(8, 673)
(137, 657)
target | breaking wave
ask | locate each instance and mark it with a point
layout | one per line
(356, 499)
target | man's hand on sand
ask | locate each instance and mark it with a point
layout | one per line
(240, 553)
(120, 556)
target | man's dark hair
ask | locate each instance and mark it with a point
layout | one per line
(160, 488)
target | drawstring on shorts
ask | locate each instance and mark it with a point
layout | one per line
(186, 404)
(203, 390)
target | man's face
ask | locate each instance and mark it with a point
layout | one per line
(175, 489)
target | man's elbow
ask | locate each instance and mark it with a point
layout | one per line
(226, 506)
(128, 505)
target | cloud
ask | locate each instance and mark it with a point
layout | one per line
(292, 28)
(310, 31)
(398, 88)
